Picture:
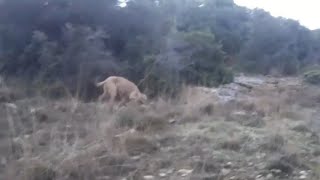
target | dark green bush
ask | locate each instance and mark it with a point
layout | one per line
(159, 45)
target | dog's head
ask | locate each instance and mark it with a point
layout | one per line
(143, 98)
(138, 97)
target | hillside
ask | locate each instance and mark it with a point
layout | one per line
(204, 120)
(267, 131)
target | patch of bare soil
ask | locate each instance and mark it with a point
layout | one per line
(257, 128)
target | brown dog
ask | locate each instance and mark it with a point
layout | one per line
(125, 90)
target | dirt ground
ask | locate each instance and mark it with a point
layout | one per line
(257, 128)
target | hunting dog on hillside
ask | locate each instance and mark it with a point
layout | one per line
(122, 88)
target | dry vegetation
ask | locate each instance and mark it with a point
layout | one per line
(267, 133)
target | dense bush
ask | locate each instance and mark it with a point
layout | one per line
(157, 44)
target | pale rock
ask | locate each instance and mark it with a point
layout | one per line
(228, 165)
(185, 172)
(135, 157)
(170, 171)
(269, 176)
(11, 105)
(171, 121)
(148, 177)
(196, 158)
(259, 177)
(303, 173)
(276, 171)
(225, 172)
(162, 174)
(303, 177)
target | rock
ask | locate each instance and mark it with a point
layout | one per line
(253, 81)
(148, 177)
(11, 105)
(135, 157)
(303, 177)
(228, 165)
(172, 121)
(259, 177)
(269, 176)
(170, 171)
(261, 155)
(276, 171)
(240, 113)
(225, 172)
(261, 166)
(185, 172)
(162, 174)
(27, 136)
(303, 173)
(196, 158)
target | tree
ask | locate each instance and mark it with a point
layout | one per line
(158, 44)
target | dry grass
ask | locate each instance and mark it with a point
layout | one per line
(31, 169)
(273, 143)
(232, 144)
(68, 139)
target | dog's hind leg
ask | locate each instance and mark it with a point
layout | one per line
(102, 96)
(112, 91)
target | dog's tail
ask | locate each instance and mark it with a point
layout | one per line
(100, 83)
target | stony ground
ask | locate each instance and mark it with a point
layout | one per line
(256, 128)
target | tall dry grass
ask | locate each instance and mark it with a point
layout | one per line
(70, 139)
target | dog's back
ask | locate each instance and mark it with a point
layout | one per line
(121, 88)
(124, 86)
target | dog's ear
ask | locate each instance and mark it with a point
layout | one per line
(134, 96)
(144, 97)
